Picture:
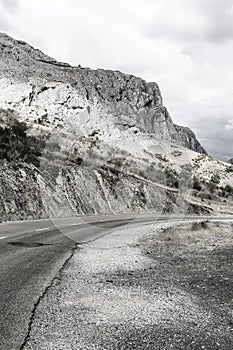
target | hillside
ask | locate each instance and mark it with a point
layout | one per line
(80, 141)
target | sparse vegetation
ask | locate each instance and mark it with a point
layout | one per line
(196, 184)
(176, 153)
(229, 169)
(171, 177)
(17, 145)
(227, 191)
(196, 226)
(215, 178)
(161, 157)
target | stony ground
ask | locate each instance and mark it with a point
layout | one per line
(151, 287)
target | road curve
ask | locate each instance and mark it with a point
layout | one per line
(33, 252)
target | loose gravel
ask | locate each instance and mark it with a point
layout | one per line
(151, 287)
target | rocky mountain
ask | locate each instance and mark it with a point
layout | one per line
(80, 141)
(43, 90)
(230, 161)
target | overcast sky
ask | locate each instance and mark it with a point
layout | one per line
(186, 46)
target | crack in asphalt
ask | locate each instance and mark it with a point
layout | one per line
(28, 244)
(57, 277)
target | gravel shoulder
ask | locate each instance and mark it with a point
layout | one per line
(160, 286)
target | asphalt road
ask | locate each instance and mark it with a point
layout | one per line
(31, 255)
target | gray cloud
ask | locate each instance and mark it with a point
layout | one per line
(220, 21)
(194, 20)
(10, 5)
(216, 138)
(4, 25)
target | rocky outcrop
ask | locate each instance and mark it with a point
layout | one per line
(20, 194)
(81, 141)
(46, 174)
(230, 161)
(82, 100)
(189, 139)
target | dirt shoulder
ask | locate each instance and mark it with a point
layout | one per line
(149, 287)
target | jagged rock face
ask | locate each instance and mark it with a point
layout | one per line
(189, 139)
(61, 175)
(82, 100)
(81, 141)
(20, 194)
(230, 161)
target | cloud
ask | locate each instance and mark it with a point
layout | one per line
(219, 21)
(217, 138)
(207, 21)
(10, 5)
(214, 127)
(4, 24)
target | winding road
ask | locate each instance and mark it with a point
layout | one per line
(33, 253)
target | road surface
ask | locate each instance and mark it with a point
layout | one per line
(31, 255)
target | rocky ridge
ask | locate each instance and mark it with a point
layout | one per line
(81, 141)
(33, 85)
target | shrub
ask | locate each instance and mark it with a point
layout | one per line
(229, 169)
(229, 189)
(211, 186)
(215, 178)
(196, 184)
(17, 145)
(199, 225)
(161, 157)
(171, 177)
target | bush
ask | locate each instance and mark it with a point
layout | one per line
(196, 184)
(229, 189)
(171, 177)
(196, 226)
(211, 186)
(229, 169)
(215, 178)
(17, 145)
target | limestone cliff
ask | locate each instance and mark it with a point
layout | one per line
(81, 141)
(83, 100)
